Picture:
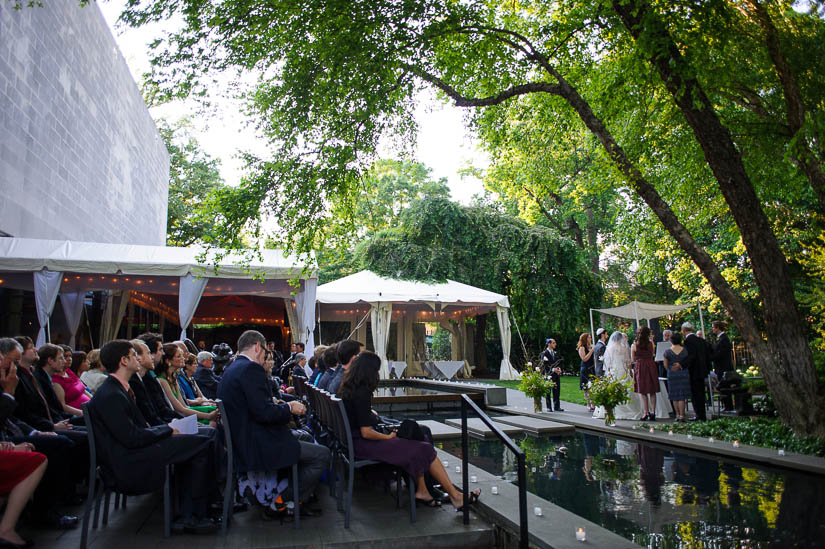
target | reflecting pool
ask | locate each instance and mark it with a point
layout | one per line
(664, 497)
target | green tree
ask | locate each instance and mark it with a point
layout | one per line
(194, 176)
(338, 76)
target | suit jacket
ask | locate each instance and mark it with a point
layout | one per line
(158, 398)
(31, 408)
(261, 438)
(598, 357)
(128, 449)
(721, 354)
(48, 392)
(10, 426)
(335, 382)
(207, 382)
(326, 377)
(144, 403)
(697, 360)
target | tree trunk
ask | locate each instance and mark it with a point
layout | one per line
(792, 379)
(592, 239)
(480, 344)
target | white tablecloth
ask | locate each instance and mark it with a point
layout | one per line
(663, 407)
(448, 368)
(397, 367)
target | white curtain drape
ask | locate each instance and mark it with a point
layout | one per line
(46, 288)
(72, 309)
(116, 303)
(191, 290)
(381, 317)
(507, 371)
(305, 316)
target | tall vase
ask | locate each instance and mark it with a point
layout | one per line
(537, 404)
(609, 416)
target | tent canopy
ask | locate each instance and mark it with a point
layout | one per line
(368, 287)
(640, 309)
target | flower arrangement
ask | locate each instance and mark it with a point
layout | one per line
(610, 392)
(752, 371)
(535, 385)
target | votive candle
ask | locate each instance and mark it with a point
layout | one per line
(781, 452)
(494, 490)
(458, 468)
(580, 535)
(473, 478)
(652, 430)
(670, 433)
(736, 444)
(537, 511)
(690, 437)
(446, 463)
(710, 439)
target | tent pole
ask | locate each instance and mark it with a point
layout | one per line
(636, 312)
(701, 320)
(592, 332)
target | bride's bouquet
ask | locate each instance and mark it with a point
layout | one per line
(610, 392)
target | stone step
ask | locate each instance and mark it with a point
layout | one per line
(478, 428)
(536, 426)
(440, 430)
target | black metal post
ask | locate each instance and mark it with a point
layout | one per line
(464, 462)
(522, 500)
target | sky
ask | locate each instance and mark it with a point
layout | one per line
(444, 143)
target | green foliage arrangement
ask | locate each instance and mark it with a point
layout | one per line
(754, 431)
(609, 392)
(534, 384)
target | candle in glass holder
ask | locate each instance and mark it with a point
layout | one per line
(652, 429)
(670, 433)
(473, 478)
(580, 535)
(736, 444)
(537, 511)
(494, 490)
(710, 439)
(781, 452)
(690, 437)
(458, 468)
(446, 463)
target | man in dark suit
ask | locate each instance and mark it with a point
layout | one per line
(550, 367)
(261, 438)
(722, 349)
(135, 454)
(697, 364)
(153, 389)
(205, 377)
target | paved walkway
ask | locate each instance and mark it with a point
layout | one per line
(578, 415)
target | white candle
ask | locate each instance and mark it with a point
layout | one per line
(580, 535)
(710, 439)
(494, 490)
(670, 433)
(458, 468)
(652, 430)
(736, 444)
(537, 511)
(446, 463)
(473, 478)
(690, 437)
(781, 452)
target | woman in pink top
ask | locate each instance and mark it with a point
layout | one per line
(70, 390)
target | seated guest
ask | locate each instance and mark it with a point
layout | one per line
(299, 370)
(80, 363)
(415, 457)
(142, 399)
(330, 360)
(20, 472)
(205, 377)
(156, 393)
(347, 350)
(261, 438)
(172, 361)
(67, 386)
(316, 363)
(189, 389)
(34, 407)
(96, 374)
(52, 359)
(135, 455)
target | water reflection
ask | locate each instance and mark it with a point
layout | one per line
(661, 497)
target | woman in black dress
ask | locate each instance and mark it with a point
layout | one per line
(415, 457)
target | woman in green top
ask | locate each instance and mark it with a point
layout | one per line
(170, 363)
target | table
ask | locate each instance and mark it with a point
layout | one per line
(446, 369)
(396, 367)
(663, 407)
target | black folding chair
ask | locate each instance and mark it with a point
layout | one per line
(98, 489)
(229, 487)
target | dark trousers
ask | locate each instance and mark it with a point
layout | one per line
(697, 397)
(59, 479)
(196, 473)
(556, 393)
(313, 462)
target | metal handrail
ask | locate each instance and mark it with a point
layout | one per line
(513, 447)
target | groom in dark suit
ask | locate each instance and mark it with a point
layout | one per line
(261, 438)
(697, 364)
(549, 360)
(135, 454)
(722, 349)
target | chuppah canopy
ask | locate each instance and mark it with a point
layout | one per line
(407, 301)
(144, 271)
(641, 310)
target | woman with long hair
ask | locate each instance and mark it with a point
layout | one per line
(646, 372)
(96, 374)
(586, 367)
(678, 379)
(416, 457)
(170, 362)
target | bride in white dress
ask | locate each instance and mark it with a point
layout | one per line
(616, 362)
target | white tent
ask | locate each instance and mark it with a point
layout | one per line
(52, 267)
(406, 301)
(641, 310)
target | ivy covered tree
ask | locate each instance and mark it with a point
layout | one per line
(667, 89)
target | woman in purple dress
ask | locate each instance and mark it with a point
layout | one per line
(415, 457)
(646, 372)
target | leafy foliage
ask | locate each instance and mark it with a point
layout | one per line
(534, 383)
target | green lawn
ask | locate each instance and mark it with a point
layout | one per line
(569, 388)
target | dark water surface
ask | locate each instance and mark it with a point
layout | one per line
(664, 497)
